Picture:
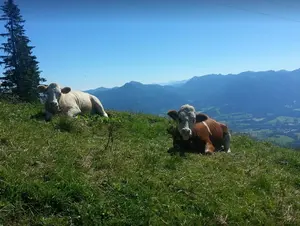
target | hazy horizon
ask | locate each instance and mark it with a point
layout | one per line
(185, 80)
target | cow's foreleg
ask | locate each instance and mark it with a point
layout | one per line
(48, 116)
(209, 148)
(227, 138)
(73, 112)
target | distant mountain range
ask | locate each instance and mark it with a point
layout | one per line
(249, 101)
(172, 83)
(95, 91)
(258, 93)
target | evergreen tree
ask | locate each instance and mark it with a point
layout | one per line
(22, 74)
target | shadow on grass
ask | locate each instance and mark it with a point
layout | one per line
(40, 116)
(183, 148)
(182, 152)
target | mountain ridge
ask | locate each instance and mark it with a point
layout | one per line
(182, 82)
(214, 88)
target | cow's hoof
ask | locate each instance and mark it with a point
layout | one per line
(176, 146)
(182, 154)
(209, 152)
(172, 151)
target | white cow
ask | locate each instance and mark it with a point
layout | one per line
(70, 103)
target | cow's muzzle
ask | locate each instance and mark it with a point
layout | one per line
(186, 133)
(53, 106)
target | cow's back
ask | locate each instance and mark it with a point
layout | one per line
(212, 132)
(215, 128)
(76, 98)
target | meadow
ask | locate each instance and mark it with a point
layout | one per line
(95, 171)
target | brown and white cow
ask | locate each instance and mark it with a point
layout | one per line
(69, 102)
(198, 131)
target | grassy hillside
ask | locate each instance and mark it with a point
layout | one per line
(91, 171)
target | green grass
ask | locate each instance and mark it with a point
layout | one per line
(298, 135)
(267, 135)
(261, 133)
(95, 171)
(284, 119)
(281, 139)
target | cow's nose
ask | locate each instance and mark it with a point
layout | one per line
(53, 104)
(186, 131)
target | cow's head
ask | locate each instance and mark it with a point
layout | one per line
(186, 119)
(53, 93)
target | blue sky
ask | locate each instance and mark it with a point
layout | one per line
(91, 43)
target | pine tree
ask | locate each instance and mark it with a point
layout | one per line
(22, 74)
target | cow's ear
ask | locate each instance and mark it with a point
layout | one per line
(200, 117)
(173, 114)
(65, 89)
(42, 88)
